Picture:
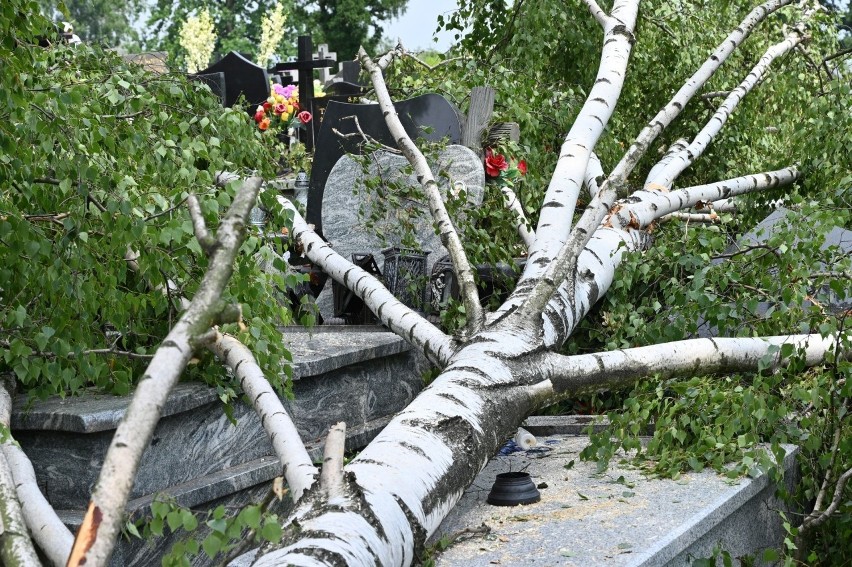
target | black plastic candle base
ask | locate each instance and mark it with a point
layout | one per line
(513, 488)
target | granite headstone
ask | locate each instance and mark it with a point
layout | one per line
(430, 117)
(242, 77)
(347, 204)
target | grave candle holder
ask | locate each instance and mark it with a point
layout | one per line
(405, 275)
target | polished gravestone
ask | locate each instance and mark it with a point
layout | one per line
(430, 117)
(348, 203)
(242, 77)
(215, 81)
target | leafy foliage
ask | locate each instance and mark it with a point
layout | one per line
(97, 157)
(206, 535)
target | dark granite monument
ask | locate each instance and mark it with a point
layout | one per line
(242, 77)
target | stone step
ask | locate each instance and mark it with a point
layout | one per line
(358, 375)
(619, 518)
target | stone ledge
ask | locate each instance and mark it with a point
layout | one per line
(317, 351)
(325, 348)
(98, 412)
(585, 518)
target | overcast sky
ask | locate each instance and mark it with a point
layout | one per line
(417, 26)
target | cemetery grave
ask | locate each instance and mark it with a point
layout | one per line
(360, 375)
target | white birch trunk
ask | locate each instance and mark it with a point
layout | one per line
(560, 199)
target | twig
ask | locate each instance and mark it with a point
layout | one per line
(714, 94)
(167, 211)
(749, 249)
(207, 242)
(366, 137)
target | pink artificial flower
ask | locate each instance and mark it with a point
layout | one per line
(495, 163)
(278, 89)
(280, 108)
(305, 117)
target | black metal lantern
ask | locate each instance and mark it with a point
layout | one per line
(405, 275)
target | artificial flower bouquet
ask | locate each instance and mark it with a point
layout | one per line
(281, 110)
(498, 168)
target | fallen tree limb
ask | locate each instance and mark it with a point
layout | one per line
(296, 463)
(16, 547)
(398, 317)
(105, 515)
(572, 375)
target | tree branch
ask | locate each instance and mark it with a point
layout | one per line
(206, 241)
(687, 156)
(649, 205)
(331, 478)
(296, 463)
(522, 225)
(572, 375)
(103, 520)
(449, 236)
(16, 547)
(596, 11)
(398, 317)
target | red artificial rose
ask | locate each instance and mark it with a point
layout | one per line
(267, 105)
(305, 117)
(495, 163)
(259, 115)
(280, 108)
(522, 167)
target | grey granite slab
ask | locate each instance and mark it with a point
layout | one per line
(91, 413)
(618, 518)
(318, 350)
(315, 351)
(235, 487)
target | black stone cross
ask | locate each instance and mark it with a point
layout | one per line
(305, 65)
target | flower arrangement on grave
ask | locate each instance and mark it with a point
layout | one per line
(281, 111)
(502, 170)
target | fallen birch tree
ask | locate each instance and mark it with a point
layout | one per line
(380, 508)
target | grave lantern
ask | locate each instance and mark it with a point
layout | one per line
(405, 275)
